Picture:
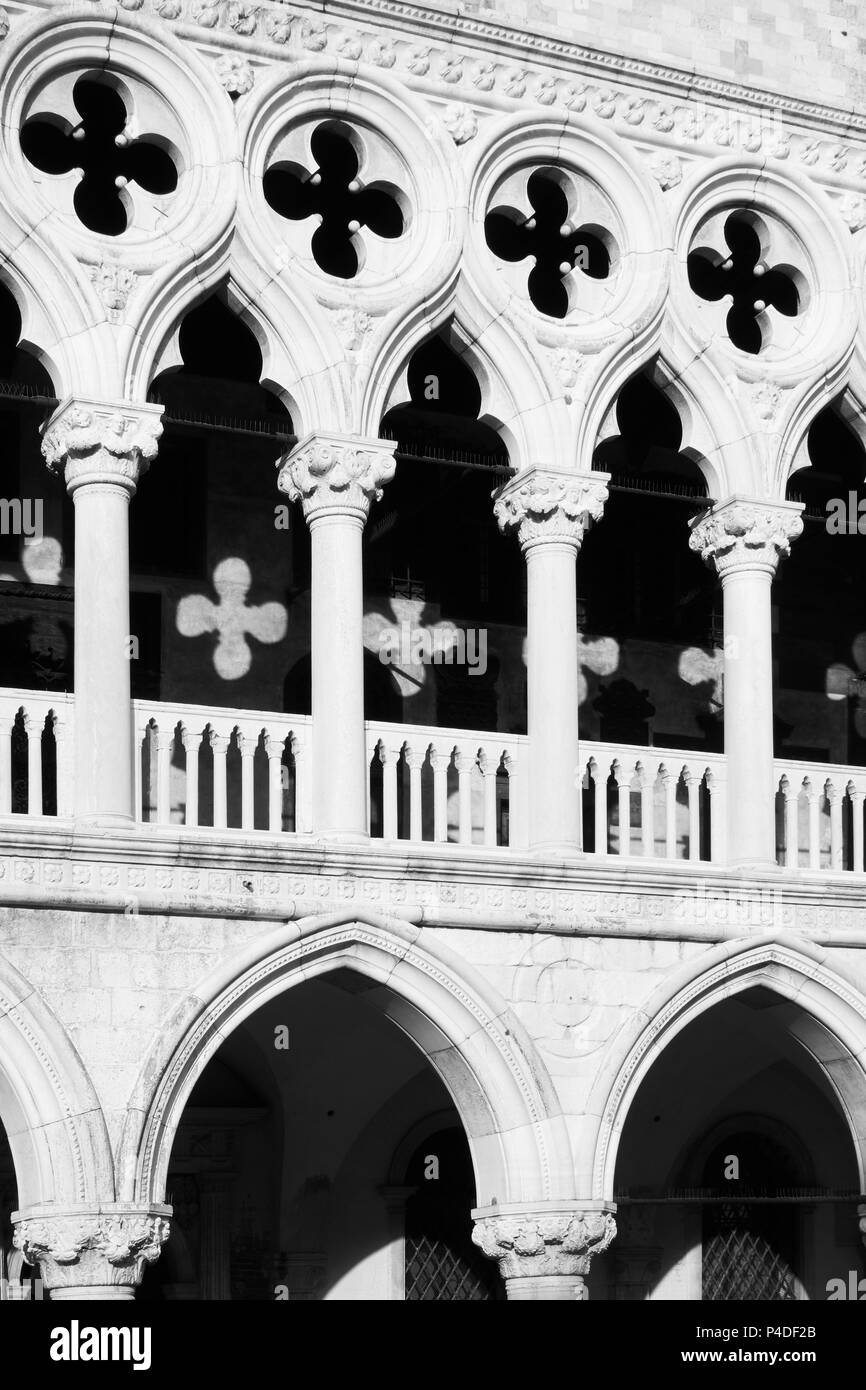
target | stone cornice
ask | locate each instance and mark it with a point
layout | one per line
(509, 67)
(211, 876)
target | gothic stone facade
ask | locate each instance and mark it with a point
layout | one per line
(611, 989)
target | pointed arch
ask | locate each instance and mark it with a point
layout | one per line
(516, 398)
(301, 360)
(482, 1053)
(48, 1105)
(831, 1028)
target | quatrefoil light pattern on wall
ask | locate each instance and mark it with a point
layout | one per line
(96, 148)
(232, 619)
(554, 230)
(743, 271)
(341, 189)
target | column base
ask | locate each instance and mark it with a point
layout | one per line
(93, 1292)
(755, 866)
(557, 849)
(107, 820)
(549, 1288)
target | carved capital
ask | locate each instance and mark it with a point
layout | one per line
(745, 534)
(101, 441)
(559, 1244)
(86, 1249)
(337, 474)
(544, 505)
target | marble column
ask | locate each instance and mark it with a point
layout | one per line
(101, 449)
(550, 512)
(745, 538)
(85, 1254)
(335, 478)
(544, 1253)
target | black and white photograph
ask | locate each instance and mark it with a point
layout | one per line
(432, 674)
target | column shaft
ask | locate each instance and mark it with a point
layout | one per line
(337, 657)
(745, 538)
(102, 449)
(551, 696)
(336, 478)
(749, 714)
(550, 511)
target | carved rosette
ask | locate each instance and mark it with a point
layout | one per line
(544, 505)
(81, 1250)
(336, 473)
(102, 442)
(559, 1246)
(743, 534)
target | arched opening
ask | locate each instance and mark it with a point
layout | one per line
(820, 598)
(220, 572)
(36, 526)
(648, 593)
(444, 591)
(289, 1175)
(19, 1282)
(651, 643)
(206, 551)
(736, 1175)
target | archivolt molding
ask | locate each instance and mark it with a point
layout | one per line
(834, 1013)
(483, 1054)
(48, 1105)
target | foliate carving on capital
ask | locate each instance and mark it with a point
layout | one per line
(89, 442)
(335, 473)
(745, 535)
(562, 1243)
(79, 1249)
(546, 506)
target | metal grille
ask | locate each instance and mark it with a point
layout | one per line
(740, 1263)
(437, 1272)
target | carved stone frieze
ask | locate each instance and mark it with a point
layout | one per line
(711, 114)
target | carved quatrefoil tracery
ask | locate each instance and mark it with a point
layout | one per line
(742, 268)
(554, 228)
(343, 189)
(95, 144)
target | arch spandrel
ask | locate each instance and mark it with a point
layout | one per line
(487, 1061)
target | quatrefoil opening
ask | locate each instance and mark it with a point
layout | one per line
(321, 178)
(99, 149)
(740, 265)
(564, 235)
